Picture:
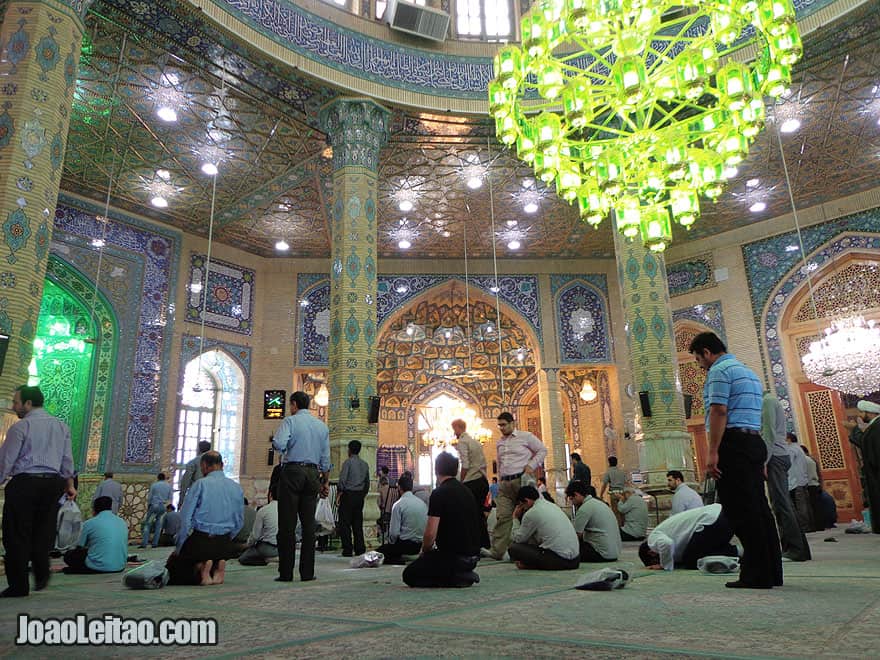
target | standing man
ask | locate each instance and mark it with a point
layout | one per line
(794, 541)
(354, 484)
(519, 454)
(158, 499)
(868, 442)
(814, 488)
(305, 446)
(732, 395)
(473, 473)
(192, 472)
(580, 470)
(109, 488)
(37, 456)
(614, 480)
(684, 497)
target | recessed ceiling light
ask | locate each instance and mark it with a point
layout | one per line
(757, 207)
(159, 202)
(751, 183)
(514, 245)
(404, 244)
(474, 182)
(282, 245)
(531, 207)
(210, 169)
(405, 205)
(98, 242)
(163, 174)
(790, 126)
(167, 113)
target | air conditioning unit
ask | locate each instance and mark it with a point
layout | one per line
(414, 19)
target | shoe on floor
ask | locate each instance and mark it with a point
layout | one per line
(739, 584)
(283, 579)
(9, 593)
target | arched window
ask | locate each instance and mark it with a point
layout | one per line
(488, 20)
(212, 409)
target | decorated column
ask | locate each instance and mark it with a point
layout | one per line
(356, 129)
(40, 44)
(663, 442)
(552, 430)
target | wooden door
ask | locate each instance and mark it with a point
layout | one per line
(829, 444)
(700, 445)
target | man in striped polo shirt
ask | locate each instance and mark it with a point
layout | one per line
(732, 396)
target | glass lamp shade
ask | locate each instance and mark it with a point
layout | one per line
(507, 129)
(568, 180)
(509, 67)
(787, 47)
(685, 206)
(735, 85)
(578, 14)
(673, 160)
(691, 74)
(746, 8)
(546, 165)
(534, 34)
(550, 81)
(588, 393)
(592, 204)
(664, 83)
(776, 80)
(322, 396)
(630, 80)
(750, 120)
(577, 103)
(609, 172)
(552, 10)
(653, 182)
(775, 16)
(726, 25)
(525, 143)
(734, 148)
(499, 100)
(548, 128)
(629, 216)
(656, 228)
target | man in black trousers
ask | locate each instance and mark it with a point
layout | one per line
(38, 457)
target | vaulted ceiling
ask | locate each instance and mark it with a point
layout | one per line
(274, 178)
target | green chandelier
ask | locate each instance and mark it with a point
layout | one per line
(639, 105)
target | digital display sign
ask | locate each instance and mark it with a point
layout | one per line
(273, 404)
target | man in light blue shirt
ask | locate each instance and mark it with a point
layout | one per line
(109, 488)
(103, 543)
(212, 514)
(409, 516)
(732, 396)
(158, 498)
(304, 443)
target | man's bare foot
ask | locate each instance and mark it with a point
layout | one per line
(205, 572)
(220, 572)
(521, 565)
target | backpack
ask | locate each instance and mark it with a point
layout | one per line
(69, 526)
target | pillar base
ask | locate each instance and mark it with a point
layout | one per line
(662, 451)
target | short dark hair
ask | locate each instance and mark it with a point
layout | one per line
(246, 501)
(204, 445)
(355, 446)
(495, 479)
(591, 490)
(576, 457)
(445, 465)
(405, 483)
(527, 493)
(648, 556)
(30, 393)
(805, 450)
(384, 469)
(169, 507)
(576, 486)
(212, 458)
(675, 474)
(102, 503)
(301, 399)
(612, 461)
(108, 475)
(707, 340)
(506, 416)
(791, 436)
(161, 476)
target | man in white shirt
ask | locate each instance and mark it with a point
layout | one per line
(519, 455)
(545, 539)
(798, 479)
(409, 516)
(684, 497)
(684, 539)
(594, 523)
(473, 473)
(262, 542)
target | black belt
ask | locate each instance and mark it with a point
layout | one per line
(301, 464)
(40, 475)
(511, 477)
(738, 429)
(211, 536)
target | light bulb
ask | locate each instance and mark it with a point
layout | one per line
(167, 114)
(790, 126)
(404, 244)
(531, 207)
(322, 396)
(757, 207)
(282, 246)
(751, 183)
(209, 168)
(405, 205)
(513, 245)
(163, 174)
(474, 182)
(159, 202)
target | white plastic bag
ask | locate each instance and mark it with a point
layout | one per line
(69, 526)
(718, 564)
(370, 559)
(324, 517)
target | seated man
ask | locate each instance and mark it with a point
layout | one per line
(170, 527)
(635, 515)
(684, 497)
(103, 542)
(545, 539)
(211, 516)
(683, 539)
(250, 516)
(262, 543)
(452, 524)
(594, 523)
(409, 515)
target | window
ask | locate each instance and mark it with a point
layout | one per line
(381, 5)
(490, 20)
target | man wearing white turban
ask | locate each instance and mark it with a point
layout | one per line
(868, 442)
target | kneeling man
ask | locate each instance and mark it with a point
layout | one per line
(212, 514)
(681, 540)
(409, 516)
(545, 539)
(103, 542)
(452, 524)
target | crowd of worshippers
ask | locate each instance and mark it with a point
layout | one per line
(439, 535)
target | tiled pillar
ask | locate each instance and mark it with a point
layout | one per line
(663, 442)
(40, 46)
(552, 430)
(357, 129)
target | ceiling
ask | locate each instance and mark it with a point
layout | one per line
(274, 180)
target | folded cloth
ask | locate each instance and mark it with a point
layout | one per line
(718, 564)
(150, 575)
(370, 559)
(604, 579)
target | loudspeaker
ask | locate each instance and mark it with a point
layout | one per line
(4, 344)
(270, 458)
(645, 402)
(373, 416)
(688, 405)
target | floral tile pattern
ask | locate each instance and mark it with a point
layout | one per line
(691, 275)
(582, 321)
(227, 302)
